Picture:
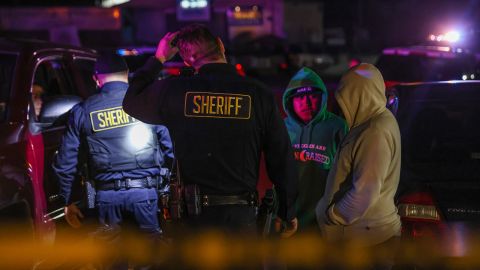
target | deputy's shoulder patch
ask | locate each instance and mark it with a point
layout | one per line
(110, 118)
(217, 105)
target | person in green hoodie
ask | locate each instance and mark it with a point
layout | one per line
(315, 134)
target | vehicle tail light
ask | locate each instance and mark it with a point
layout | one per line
(420, 216)
(426, 212)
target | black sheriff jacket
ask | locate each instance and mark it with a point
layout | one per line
(220, 123)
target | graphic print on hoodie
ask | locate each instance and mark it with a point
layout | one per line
(314, 144)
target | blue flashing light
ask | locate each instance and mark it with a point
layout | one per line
(121, 52)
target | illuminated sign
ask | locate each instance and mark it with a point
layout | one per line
(189, 4)
(245, 15)
(193, 10)
(111, 3)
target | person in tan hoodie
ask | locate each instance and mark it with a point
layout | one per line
(358, 204)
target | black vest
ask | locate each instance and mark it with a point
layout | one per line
(116, 141)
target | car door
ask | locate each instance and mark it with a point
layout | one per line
(55, 76)
(12, 175)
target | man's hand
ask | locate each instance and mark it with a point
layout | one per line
(285, 230)
(72, 215)
(165, 50)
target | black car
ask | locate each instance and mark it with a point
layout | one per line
(438, 196)
(426, 63)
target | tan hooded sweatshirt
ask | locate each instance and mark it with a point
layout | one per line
(358, 204)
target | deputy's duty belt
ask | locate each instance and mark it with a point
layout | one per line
(213, 200)
(147, 182)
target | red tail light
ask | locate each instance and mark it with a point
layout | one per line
(420, 216)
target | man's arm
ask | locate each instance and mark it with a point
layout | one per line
(65, 164)
(145, 94)
(282, 170)
(280, 163)
(373, 157)
(66, 161)
(166, 146)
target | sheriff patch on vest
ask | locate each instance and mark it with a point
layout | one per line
(217, 105)
(110, 118)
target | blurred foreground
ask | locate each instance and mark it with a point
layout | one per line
(213, 250)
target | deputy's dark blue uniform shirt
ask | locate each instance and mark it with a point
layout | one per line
(117, 145)
(220, 123)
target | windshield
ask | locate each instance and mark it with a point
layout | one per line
(440, 130)
(420, 68)
(7, 65)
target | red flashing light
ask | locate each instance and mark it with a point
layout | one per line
(240, 70)
(173, 71)
(353, 62)
(283, 65)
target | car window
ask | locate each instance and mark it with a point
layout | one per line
(84, 68)
(440, 131)
(51, 79)
(7, 66)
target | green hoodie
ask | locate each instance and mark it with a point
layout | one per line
(314, 145)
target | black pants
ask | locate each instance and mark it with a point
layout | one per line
(226, 218)
(231, 222)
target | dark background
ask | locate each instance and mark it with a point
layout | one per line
(369, 24)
